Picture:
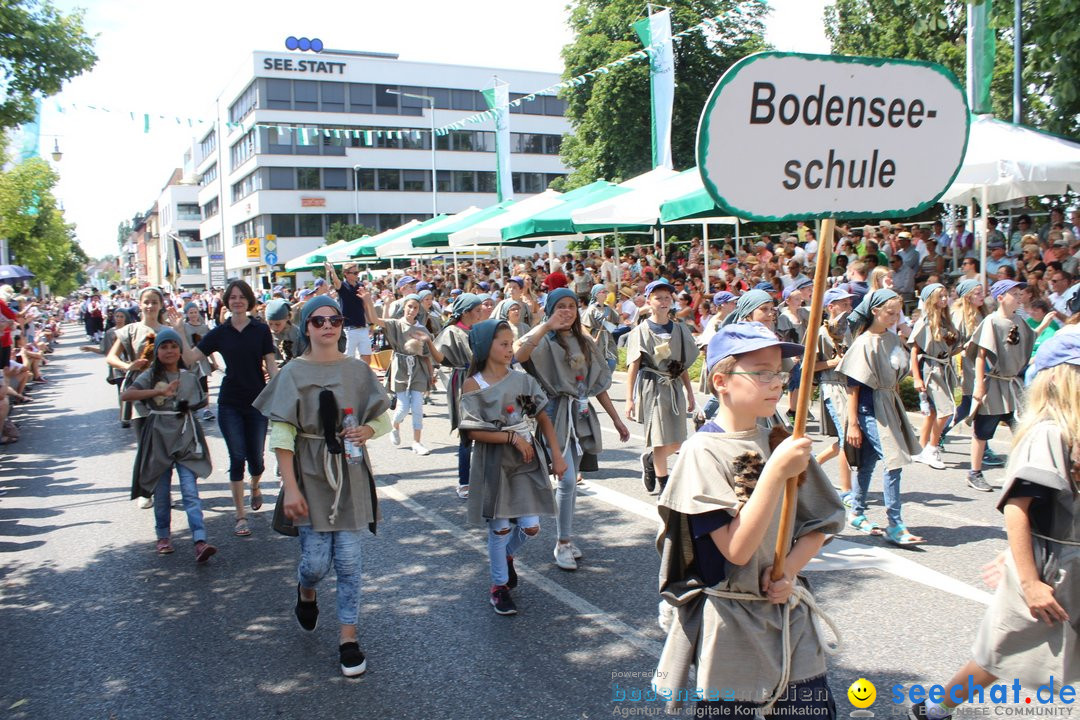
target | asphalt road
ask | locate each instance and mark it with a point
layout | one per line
(96, 625)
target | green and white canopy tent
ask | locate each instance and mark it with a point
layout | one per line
(440, 237)
(402, 245)
(488, 231)
(558, 219)
(314, 259)
(363, 249)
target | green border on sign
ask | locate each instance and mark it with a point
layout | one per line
(703, 137)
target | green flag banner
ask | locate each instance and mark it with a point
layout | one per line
(498, 99)
(980, 56)
(655, 34)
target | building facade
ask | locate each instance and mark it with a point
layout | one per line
(306, 140)
(182, 253)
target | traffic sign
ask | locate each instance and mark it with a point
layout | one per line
(271, 258)
(271, 243)
(789, 136)
(253, 247)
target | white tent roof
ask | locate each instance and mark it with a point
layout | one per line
(1012, 162)
(489, 232)
(403, 247)
(641, 206)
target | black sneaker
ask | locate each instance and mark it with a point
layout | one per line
(511, 573)
(501, 600)
(353, 662)
(307, 612)
(648, 473)
(976, 481)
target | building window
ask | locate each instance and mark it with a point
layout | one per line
(416, 180)
(335, 179)
(213, 244)
(283, 225)
(342, 218)
(360, 98)
(210, 209)
(389, 221)
(413, 106)
(208, 145)
(278, 142)
(528, 183)
(244, 230)
(443, 181)
(333, 96)
(365, 179)
(209, 176)
(464, 181)
(279, 94)
(187, 212)
(442, 97)
(385, 103)
(485, 182)
(243, 149)
(554, 106)
(310, 225)
(305, 95)
(307, 179)
(552, 144)
(284, 178)
(389, 179)
(465, 100)
(244, 187)
(244, 104)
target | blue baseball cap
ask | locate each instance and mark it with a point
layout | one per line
(423, 286)
(319, 282)
(455, 292)
(407, 280)
(741, 338)
(306, 293)
(722, 297)
(766, 286)
(1062, 347)
(1003, 286)
(659, 285)
(788, 290)
(804, 283)
(834, 294)
(484, 286)
(519, 280)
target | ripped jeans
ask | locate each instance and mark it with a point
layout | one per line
(505, 539)
(319, 551)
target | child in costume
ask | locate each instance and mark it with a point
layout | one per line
(502, 411)
(453, 343)
(1030, 631)
(877, 427)
(170, 438)
(833, 341)
(286, 335)
(791, 327)
(659, 353)
(721, 517)
(600, 320)
(559, 354)
(1000, 349)
(752, 306)
(329, 500)
(133, 349)
(933, 343)
(195, 329)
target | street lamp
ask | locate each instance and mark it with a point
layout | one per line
(356, 192)
(56, 154)
(434, 178)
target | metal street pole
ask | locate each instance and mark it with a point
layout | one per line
(1018, 63)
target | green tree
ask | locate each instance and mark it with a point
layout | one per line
(40, 48)
(343, 231)
(936, 30)
(611, 116)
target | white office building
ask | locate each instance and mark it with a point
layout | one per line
(182, 255)
(317, 139)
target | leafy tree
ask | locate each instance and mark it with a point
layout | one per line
(936, 30)
(123, 230)
(343, 231)
(611, 116)
(40, 48)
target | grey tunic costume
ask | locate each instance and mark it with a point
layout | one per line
(194, 333)
(593, 318)
(502, 312)
(408, 371)
(880, 361)
(501, 485)
(734, 643)
(832, 386)
(792, 329)
(292, 397)
(526, 313)
(967, 362)
(1011, 643)
(936, 364)
(1006, 357)
(659, 395)
(286, 344)
(169, 434)
(453, 343)
(134, 339)
(557, 371)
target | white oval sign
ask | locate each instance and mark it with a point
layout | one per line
(787, 136)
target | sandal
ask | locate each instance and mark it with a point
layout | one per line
(241, 527)
(256, 498)
(863, 525)
(899, 535)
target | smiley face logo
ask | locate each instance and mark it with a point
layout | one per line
(862, 693)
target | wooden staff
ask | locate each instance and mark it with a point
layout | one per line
(813, 326)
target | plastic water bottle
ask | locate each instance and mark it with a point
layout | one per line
(582, 397)
(924, 403)
(354, 454)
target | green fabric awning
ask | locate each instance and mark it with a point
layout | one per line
(558, 221)
(314, 259)
(365, 247)
(440, 237)
(695, 204)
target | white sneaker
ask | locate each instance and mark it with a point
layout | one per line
(929, 457)
(420, 449)
(463, 492)
(145, 503)
(395, 437)
(564, 557)
(574, 550)
(935, 458)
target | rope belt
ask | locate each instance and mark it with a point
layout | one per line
(187, 420)
(1014, 387)
(664, 379)
(333, 474)
(1071, 543)
(799, 595)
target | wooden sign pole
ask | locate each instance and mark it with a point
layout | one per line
(813, 326)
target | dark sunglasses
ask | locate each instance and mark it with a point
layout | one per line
(320, 320)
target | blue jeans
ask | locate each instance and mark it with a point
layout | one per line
(504, 541)
(192, 505)
(711, 406)
(611, 364)
(566, 492)
(871, 455)
(464, 461)
(835, 415)
(410, 400)
(244, 430)
(960, 415)
(341, 549)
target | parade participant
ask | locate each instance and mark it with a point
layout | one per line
(934, 342)
(510, 486)
(357, 336)
(570, 369)
(512, 311)
(876, 425)
(405, 286)
(999, 349)
(516, 287)
(328, 497)
(195, 329)
(791, 327)
(1029, 632)
(720, 521)
(248, 349)
(833, 343)
(114, 376)
(453, 344)
(659, 353)
(134, 348)
(169, 395)
(411, 370)
(600, 320)
(286, 336)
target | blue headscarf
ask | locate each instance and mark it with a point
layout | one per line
(277, 309)
(861, 317)
(165, 335)
(929, 290)
(305, 314)
(503, 311)
(747, 303)
(481, 336)
(555, 296)
(463, 303)
(965, 286)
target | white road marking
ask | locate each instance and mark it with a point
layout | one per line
(579, 604)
